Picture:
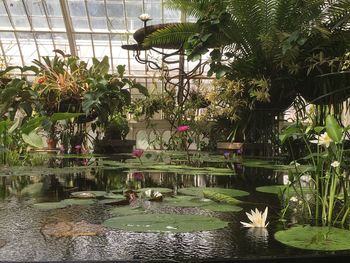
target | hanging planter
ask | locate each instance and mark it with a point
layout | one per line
(332, 88)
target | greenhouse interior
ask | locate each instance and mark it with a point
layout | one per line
(174, 130)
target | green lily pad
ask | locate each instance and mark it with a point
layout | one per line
(218, 207)
(88, 194)
(218, 197)
(50, 205)
(165, 223)
(198, 191)
(114, 196)
(127, 211)
(277, 189)
(186, 201)
(32, 189)
(77, 201)
(315, 238)
(156, 189)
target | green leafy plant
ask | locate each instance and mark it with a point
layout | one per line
(329, 180)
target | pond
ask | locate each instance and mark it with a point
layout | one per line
(76, 229)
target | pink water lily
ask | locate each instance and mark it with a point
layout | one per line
(137, 153)
(182, 128)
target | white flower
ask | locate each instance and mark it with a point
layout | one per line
(294, 163)
(256, 218)
(323, 139)
(335, 164)
(145, 17)
(293, 199)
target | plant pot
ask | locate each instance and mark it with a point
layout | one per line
(51, 143)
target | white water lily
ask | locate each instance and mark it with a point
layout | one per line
(257, 218)
(322, 139)
(145, 17)
(335, 164)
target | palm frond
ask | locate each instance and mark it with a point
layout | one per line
(171, 35)
(196, 8)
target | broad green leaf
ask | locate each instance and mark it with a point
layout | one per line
(333, 129)
(218, 197)
(165, 223)
(33, 139)
(315, 238)
(198, 191)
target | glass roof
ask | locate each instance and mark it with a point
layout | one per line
(30, 29)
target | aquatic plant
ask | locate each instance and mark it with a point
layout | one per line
(257, 218)
(138, 154)
(329, 181)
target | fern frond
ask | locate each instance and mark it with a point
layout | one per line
(176, 34)
(196, 8)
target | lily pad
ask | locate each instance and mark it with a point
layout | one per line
(50, 205)
(187, 201)
(217, 207)
(198, 191)
(126, 211)
(114, 196)
(218, 197)
(277, 189)
(315, 238)
(88, 194)
(32, 189)
(77, 201)
(165, 223)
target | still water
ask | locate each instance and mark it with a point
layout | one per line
(21, 224)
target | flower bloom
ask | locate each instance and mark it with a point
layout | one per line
(227, 154)
(323, 139)
(145, 17)
(41, 80)
(138, 176)
(62, 148)
(77, 147)
(182, 128)
(137, 153)
(335, 164)
(257, 218)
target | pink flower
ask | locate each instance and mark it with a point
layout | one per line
(77, 147)
(138, 176)
(137, 153)
(183, 128)
(62, 148)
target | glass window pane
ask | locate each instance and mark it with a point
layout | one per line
(84, 46)
(101, 45)
(39, 23)
(5, 22)
(133, 9)
(98, 24)
(118, 24)
(77, 8)
(57, 23)
(115, 9)
(53, 8)
(96, 8)
(10, 45)
(45, 44)
(80, 24)
(28, 47)
(61, 42)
